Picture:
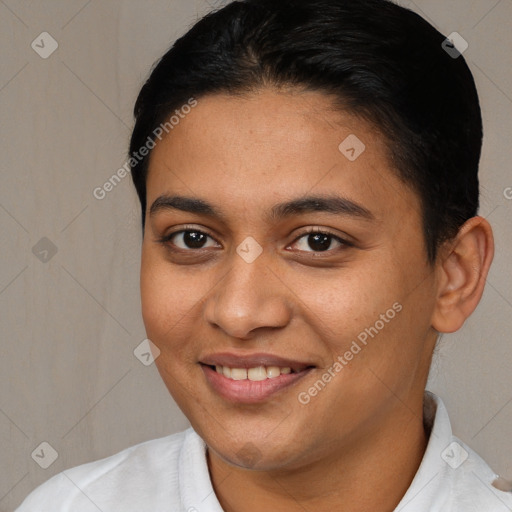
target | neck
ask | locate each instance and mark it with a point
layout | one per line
(370, 472)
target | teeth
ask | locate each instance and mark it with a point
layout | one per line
(238, 373)
(255, 374)
(258, 373)
(274, 371)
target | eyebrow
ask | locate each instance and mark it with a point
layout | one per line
(332, 204)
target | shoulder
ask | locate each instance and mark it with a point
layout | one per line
(474, 482)
(452, 477)
(136, 478)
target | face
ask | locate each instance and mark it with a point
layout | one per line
(299, 263)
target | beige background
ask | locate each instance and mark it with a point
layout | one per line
(68, 375)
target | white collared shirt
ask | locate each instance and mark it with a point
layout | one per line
(170, 474)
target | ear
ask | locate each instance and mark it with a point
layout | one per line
(462, 266)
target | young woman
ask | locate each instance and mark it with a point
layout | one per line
(308, 179)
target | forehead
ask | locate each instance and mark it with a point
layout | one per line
(260, 148)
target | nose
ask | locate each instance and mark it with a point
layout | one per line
(250, 296)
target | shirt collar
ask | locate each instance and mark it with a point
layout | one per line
(428, 490)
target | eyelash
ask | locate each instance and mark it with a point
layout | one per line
(165, 240)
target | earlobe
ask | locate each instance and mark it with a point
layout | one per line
(462, 270)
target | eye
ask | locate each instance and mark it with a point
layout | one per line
(319, 240)
(190, 239)
(187, 239)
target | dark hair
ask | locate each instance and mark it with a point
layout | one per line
(380, 61)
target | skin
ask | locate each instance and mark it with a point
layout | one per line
(358, 443)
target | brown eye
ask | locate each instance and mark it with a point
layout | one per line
(319, 241)
(187, 239)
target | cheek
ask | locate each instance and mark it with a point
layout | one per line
(168, 322)
(172, 301)
(350, 300)
(375, 306)
(154, 291)
(162, 297)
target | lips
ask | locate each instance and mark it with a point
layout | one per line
(254, 360)
(251, 378)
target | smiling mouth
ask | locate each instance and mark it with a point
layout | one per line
(252, 385)
(257, 373)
